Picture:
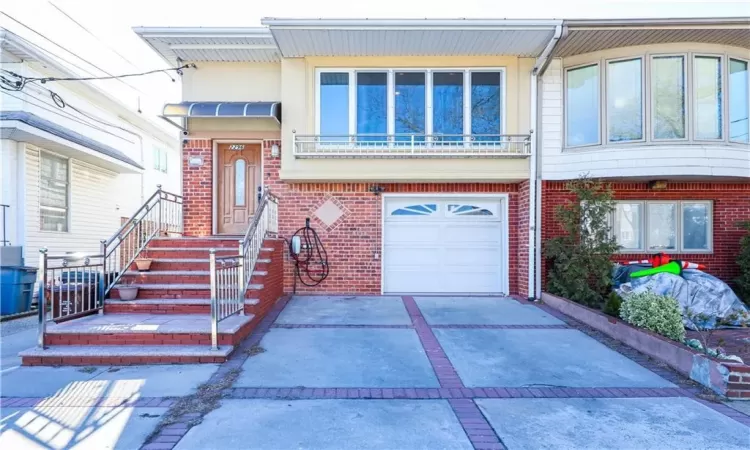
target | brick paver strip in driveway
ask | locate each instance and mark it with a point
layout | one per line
(339, 357)
(481, 311)
(329, 424)
(544, 357)
(596, 423)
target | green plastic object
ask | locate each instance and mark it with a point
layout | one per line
(672, 267)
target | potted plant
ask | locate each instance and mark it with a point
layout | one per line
(128, 291)
(143, 263)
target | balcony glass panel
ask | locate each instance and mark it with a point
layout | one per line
(448, 106)
(707, 79)
(486, 101)
(668, 96)
(372, 106)
(624, 100)
(334, 106)
(410, 106)
(739, 126)
(582, 106)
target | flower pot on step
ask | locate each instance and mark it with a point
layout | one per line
(128, 292)
(143, 264)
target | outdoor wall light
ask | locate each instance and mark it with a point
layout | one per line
(275, 150)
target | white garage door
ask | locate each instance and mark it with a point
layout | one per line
(444, 245)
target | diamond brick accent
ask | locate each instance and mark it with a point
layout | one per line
(330, 213)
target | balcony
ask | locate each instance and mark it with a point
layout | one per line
(377, 146)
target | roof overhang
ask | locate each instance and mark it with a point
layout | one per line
(27, 127)
(586, 36)
(408, 37)
(223, 44)
(224, 110)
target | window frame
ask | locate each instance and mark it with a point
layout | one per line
(391, 97)
(565, 104)
(723, 70)
(687, 89)
(648, 98)
(68, 177)
(604, 100)
(679, 227)
(729, 93)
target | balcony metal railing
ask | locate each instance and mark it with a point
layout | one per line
(230, 275)
(412, 146)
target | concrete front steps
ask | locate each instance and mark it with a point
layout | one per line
(169, 321)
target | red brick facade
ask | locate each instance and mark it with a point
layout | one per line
(354, 242)
(731, 203)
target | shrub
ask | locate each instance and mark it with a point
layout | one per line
(581, 269)
(613, 304)
(658, 313)
(743, 260)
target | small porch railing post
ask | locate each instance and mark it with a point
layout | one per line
(241, 281)
(42, 299)
(214, 300)
(158, 199)
(101, 287)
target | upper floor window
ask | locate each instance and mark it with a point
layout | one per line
(660, 97)
(53, 193)
(159, 157)
(441, 105)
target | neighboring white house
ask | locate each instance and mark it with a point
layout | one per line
(69, 175)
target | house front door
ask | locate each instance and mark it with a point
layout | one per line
(239, 177)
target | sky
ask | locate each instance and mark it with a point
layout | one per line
(90, 33)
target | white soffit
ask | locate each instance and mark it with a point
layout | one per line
(462, 37)
(212, 44)
(591, 39)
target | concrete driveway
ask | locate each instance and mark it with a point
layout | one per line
(452, 373)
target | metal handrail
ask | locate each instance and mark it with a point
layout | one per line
(412, 145)
(230, 275)
(161, 213)
(71, 284)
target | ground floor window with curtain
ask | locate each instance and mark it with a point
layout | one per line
(663, 226)
(53, 193)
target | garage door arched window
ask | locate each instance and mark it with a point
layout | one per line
(468, 210)
(416, 210)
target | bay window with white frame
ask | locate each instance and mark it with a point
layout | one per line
(657, 98)
(645, 226)
(437, 106)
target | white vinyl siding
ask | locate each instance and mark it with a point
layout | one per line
(93, 199)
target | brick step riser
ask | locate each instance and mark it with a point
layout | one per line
(166, 308)
(117, 360)
(188, 253)
(138, 339)
(178, 279)
(145, 293)
(157, 266)
(187, 243)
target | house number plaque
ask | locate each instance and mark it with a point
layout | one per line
(237, 147)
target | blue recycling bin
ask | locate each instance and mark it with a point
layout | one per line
(16, 287)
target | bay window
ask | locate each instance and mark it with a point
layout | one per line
(687, 97)
(624, 100)
(707, 88)
(663, 226)
(439, 106)
(668, 97)
(739, 101)
(582, 106)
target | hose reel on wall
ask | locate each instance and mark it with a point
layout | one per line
(310, 257)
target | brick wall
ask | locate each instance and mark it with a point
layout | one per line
(522, 236)
(731, 203)
(353, 242)
(197, 187)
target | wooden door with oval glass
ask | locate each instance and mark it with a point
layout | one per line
(239, 177)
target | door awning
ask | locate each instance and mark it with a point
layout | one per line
(250, 110)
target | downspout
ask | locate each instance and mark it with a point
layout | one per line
(535, 251)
